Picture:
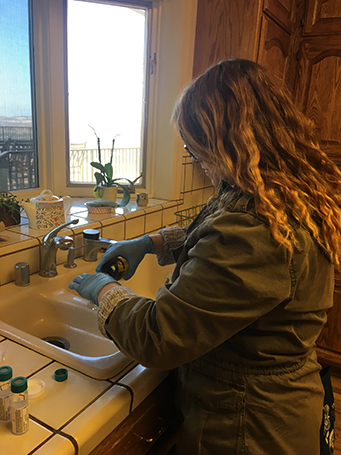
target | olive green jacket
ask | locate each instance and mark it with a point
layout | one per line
(232, 292)
(241, 324)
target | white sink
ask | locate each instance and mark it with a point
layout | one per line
(48, 308)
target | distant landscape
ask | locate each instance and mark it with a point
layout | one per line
(15, 128)
(15, 121)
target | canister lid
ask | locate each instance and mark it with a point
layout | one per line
(61, 374)
(19, 384)
(5, 373)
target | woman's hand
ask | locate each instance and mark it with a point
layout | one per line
(89, 286)
(131, 250)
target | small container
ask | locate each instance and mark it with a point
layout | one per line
(5, 392)
(116, 268)
(35, 388)
(19, 405)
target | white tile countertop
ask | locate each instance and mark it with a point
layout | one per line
(73, 416)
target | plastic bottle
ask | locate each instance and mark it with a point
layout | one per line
(5, 392)
(19, 405)
(116, 267)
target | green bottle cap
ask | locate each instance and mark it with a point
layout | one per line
(61, 374)
(5, 373)
(19, 384)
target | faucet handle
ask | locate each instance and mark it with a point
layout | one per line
(50, 235)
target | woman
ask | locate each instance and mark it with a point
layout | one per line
(254, 273)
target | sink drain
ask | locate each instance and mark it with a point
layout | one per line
(58, 341)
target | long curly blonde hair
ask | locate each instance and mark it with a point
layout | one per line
(238, 118)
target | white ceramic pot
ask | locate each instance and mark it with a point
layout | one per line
(109, 193)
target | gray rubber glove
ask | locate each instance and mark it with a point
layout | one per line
(88, 286)
(131, 250)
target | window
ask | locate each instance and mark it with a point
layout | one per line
(106, 55)
(18, 157)
(168, 42)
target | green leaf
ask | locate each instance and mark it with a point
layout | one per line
(126, 195)
(98, 166)
(108, 170)
(98, 192)
(99, 178)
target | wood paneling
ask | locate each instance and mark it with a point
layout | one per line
(274, 47)
(318, 89)
(323, 17)
(225, 29)
(280, 11)
(146, 428)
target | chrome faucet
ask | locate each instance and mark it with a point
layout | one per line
(93, 243)
(49, 247)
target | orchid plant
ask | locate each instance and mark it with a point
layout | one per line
(104, 178)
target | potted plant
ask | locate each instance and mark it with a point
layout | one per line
(9, 208)
(106, 186)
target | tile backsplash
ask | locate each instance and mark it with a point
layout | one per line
(21, 244)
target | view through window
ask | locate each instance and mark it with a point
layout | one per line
(18, 158)
(106, 85)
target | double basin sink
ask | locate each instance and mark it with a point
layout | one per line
(53, 320)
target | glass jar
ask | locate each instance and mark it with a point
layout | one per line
(19, 405)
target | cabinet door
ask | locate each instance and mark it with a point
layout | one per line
(280, 11)
(323, 17)
(149, 428)
(225, 29)
(273, 47)
(318, 89)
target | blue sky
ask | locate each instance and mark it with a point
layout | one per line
(15, 99)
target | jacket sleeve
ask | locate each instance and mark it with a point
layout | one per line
(173, 239)
(235, 274)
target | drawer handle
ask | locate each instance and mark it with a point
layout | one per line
(150, 440)
(141, 438)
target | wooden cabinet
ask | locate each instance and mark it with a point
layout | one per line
(318, 84)
(274, 46)
(259, 31)
(150, 429)
(318, 89)
(280, 11)
(225, 29)
(323, 17)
